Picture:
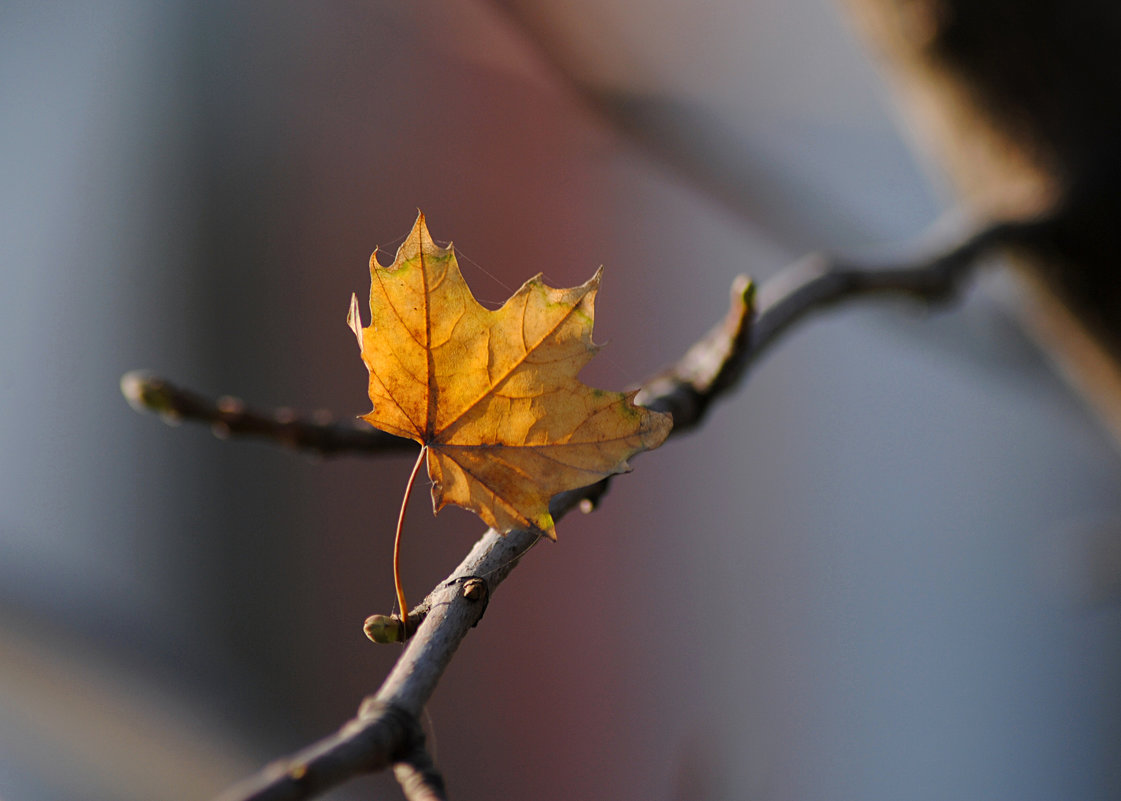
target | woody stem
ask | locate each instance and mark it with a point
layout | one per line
(397, 547)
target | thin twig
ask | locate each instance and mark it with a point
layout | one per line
(230, 417)
(931, 270)
(419, 778)
(377, 737)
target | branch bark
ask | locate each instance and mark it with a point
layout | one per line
(228, 417)
(386, 731)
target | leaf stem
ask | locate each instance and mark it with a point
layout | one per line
(397, 546)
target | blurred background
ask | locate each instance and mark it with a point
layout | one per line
(888, 568)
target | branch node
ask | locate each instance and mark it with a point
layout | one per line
(712, 365)
(385, 629)
(474, 589)
(231, 406)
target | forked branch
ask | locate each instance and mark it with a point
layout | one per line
(386, 730)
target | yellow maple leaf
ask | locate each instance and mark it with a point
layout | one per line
(493, 396)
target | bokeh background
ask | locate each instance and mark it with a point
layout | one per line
(887, 568)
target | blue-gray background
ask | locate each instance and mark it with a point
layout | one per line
(888, 568)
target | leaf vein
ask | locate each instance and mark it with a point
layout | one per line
(518, 363)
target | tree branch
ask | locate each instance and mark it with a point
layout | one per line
(229, 416)
(929, 270)
(386, 730)
(419, 778)
(932, 272)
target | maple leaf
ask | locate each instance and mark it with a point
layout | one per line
(493, 395)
